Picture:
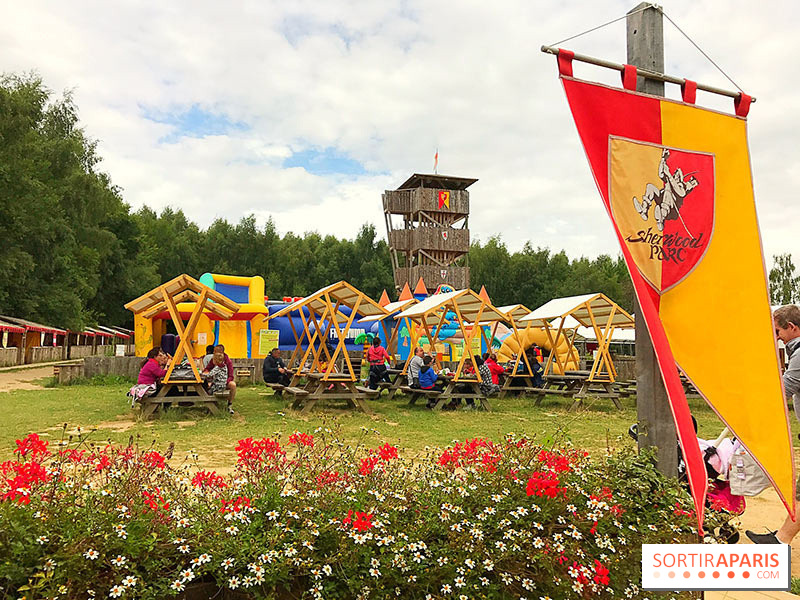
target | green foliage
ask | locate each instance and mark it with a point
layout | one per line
(784, 285)
(534, 276)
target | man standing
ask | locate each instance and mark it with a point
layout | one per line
(274, 370)
(787, 330)
(414, 365)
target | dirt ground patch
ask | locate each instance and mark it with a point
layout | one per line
(24, 379)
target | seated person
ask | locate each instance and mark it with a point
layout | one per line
(274, 369)
(537, 370)
(490, 362)
(414, 366)
(153, 368)
(377, 358)
(209, 355)
(220, 375)
(151, 373)
(488, 387)
(427, 379)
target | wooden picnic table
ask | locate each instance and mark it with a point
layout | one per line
(336, 387)
(453, 390)
(188, 391)
(517, 382)
(396, 380)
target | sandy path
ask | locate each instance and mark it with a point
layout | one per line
(23, 379)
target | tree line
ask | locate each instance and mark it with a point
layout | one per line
(74, 252)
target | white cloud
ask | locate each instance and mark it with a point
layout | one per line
(385, 83)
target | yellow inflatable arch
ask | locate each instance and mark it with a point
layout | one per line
(536, 335)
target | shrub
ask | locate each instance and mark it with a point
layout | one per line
(316, 518)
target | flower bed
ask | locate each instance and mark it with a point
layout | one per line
(316, 518)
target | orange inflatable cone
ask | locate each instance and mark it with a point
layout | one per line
(484, 294)
(406, 293)
(384, 299)
(420, 291)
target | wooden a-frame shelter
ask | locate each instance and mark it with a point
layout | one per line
(514, 312)
(597, 311)
(392, 309)
(319, 313)
(183, 288)
(431, 313)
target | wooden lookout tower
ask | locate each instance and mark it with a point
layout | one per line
(427, 220)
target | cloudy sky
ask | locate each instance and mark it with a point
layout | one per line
(305, 111)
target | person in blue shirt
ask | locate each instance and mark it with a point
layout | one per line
(428, 377)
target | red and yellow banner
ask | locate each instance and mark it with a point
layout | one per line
(677, 185)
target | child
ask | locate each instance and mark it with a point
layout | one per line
(427, 379)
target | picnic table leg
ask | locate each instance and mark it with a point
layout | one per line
(148, 408)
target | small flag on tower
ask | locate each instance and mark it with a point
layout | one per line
(436, 162)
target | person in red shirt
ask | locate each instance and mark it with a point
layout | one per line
(154, 367)
(490, 360)
(377, 358)
(220, 372)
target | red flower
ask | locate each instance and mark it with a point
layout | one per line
(154, 500)
(362, 522)
(544, 484)
(252, 452)
(26, 475)
(208, 479)
(368, 465)
(235, 505)
(153, 460)
(387, 452)
(302, 439)
(327, 477)
(601, 573)
(34, 445)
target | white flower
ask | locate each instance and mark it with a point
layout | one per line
(227, 563)
(177, 585)
(129, 581)
(119, 560)
(42, 540)
(204, 558)
(446, 589)
(327, 570)
(527, 584)
(116, 591)
(233, 582)
(184, 549)
(233, 530)
(91, 554)
(488, 565)
(187, 575)
(375, 572)
(459, 582)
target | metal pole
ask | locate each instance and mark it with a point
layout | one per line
(645, 35)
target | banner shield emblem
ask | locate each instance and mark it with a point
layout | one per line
(444, 235)
(443, 273)
(662, 200)
(444, 199)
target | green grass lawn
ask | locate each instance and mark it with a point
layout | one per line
(104, 412)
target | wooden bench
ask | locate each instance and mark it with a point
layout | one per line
(417, 393)
(276, 387)
(296, 391)
(367, 391)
